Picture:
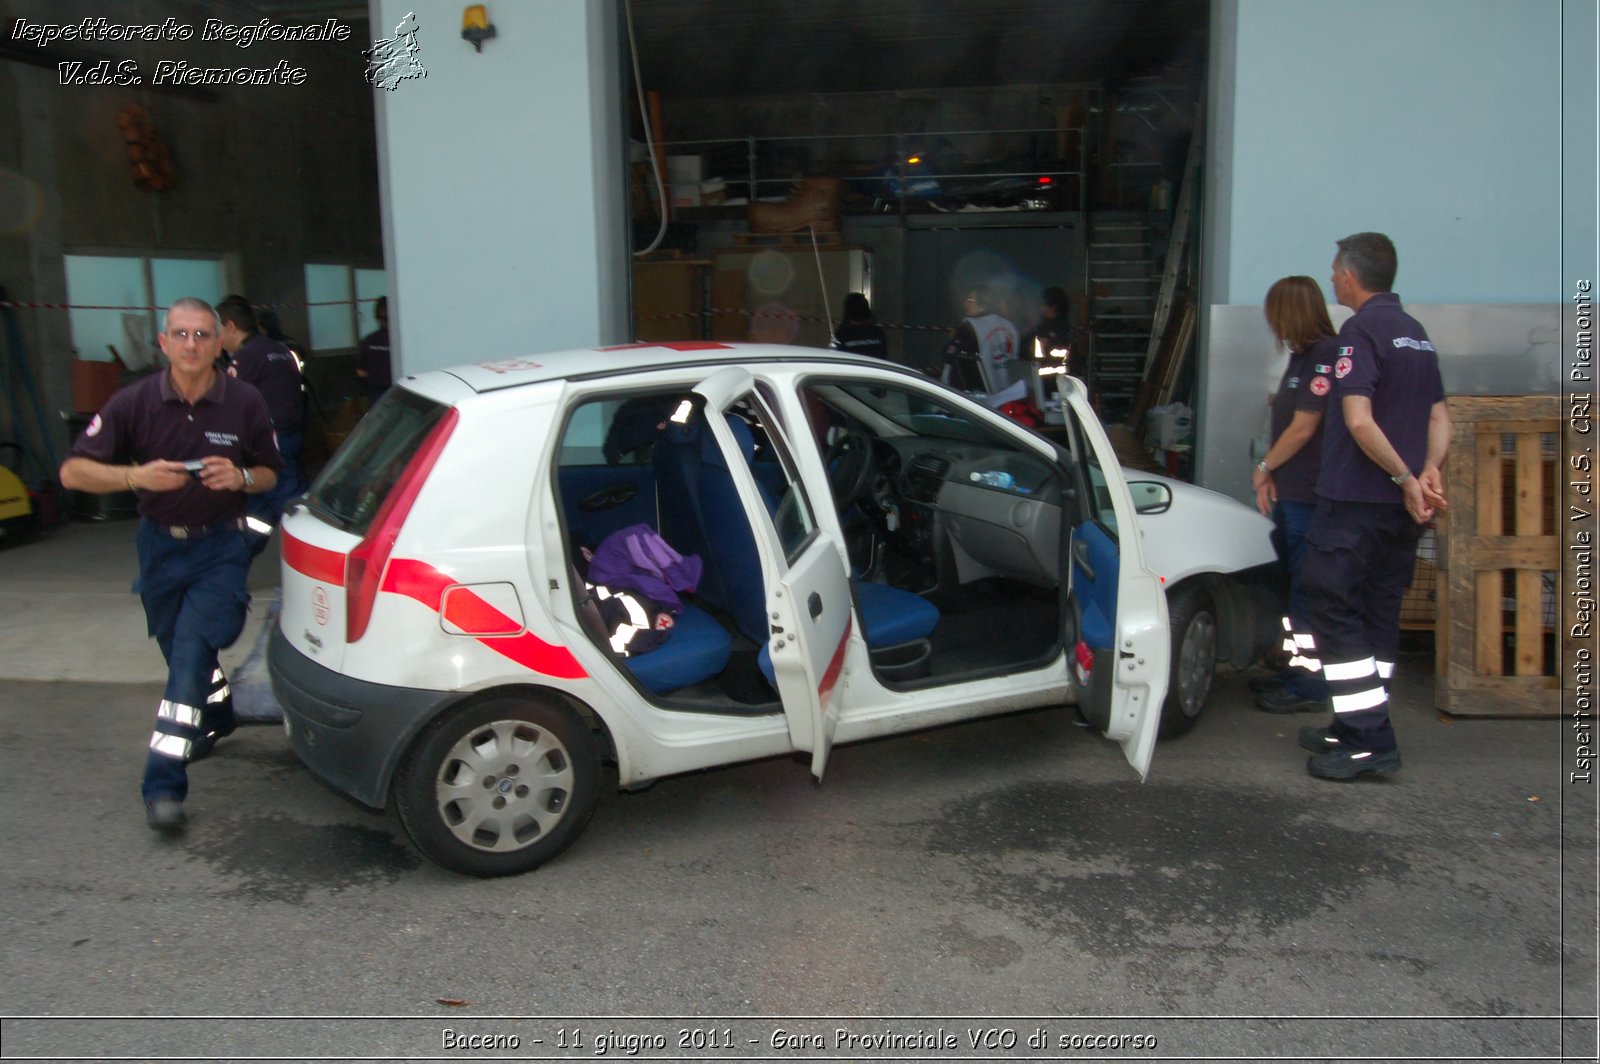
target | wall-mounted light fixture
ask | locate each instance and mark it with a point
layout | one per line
(475, 25)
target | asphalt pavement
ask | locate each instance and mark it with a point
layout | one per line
(993, 883)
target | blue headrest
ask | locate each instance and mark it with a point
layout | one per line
(711, 454)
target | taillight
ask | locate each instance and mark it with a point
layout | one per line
(364, 573)
(1085, 658)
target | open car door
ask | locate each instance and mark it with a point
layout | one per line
(808, 614)
(1120, 602)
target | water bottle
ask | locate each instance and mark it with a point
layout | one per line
(995, 480)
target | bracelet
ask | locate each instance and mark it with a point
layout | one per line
(1402, 478)
(249, 478)
(1261, 467)
(131, 485)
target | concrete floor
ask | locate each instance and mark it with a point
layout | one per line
(1231, 905)
(68, 612)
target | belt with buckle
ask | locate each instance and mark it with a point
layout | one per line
(232, 524)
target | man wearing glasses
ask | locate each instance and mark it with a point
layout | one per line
(190, 443)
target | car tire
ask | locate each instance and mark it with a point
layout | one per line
(1194, 659)
(499, 787)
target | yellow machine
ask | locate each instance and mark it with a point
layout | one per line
(16, 508)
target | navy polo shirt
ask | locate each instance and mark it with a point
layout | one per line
(1307, 383)
(271, 367)
(1384, 354)
(149, 420)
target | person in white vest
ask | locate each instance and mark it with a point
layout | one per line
(980, 347)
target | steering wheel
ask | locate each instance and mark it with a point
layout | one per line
(849, 463)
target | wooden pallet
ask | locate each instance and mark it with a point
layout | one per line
(1503, 616)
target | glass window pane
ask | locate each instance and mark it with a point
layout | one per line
(104, 281)
(332, 327)
(175, 278)
(775, 471)
(370, 284)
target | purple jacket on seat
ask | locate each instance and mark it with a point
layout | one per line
(638, 559)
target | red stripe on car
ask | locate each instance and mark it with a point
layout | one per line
(830, 679)
(316, 563)
(422, 582)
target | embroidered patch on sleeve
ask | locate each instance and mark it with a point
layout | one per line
(1320, 386)
(1342, 368)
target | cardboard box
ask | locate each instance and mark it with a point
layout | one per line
(685, 169)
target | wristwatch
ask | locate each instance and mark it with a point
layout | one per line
(1402, 478)
(249, 478)
(1261, 467)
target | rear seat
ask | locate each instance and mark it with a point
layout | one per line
(697, 650)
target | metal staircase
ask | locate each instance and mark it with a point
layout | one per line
(1123, 287)
(1138, 266)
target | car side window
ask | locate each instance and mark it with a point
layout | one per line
(777, 476)
(1104, 512)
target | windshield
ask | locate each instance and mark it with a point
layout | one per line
(354, 484)
(917, 412)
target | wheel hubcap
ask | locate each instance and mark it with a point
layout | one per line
(1197, 662)
(504, 785)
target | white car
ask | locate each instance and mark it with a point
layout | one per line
(869, 553)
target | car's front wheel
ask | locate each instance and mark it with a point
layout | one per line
(499, 787)
(1194, 659)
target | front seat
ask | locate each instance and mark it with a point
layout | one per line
(889, 616)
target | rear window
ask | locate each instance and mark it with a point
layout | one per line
(354, 484)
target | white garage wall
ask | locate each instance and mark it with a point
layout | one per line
(501, 172)
(1464, 129)
(1437, 122)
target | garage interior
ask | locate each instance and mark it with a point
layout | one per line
(1053, 138)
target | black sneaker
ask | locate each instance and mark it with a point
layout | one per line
(206, 743)
(1318, 740)
(1260, 685)
(1344, 763)
(164, 814)
(1284, 700)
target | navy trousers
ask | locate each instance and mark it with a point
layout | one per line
(1359, 561)
(1303, 675)
(194, 598)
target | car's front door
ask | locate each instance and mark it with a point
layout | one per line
(808, 606)
(1121, 604)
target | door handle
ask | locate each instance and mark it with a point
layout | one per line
(1080, 554)
(607, 498)
(814, 604)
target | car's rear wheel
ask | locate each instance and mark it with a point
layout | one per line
(1194, 659)
(499, 787)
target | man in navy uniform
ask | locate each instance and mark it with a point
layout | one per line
(273, 370)
(1384, 443)
(192, 442)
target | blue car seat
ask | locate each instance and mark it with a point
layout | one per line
(702, 513)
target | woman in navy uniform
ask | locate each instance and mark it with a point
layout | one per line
(859, 332)
(1285, 480)
(1383, 447)
(198, 442)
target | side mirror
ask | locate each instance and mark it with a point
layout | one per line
(1150, 497)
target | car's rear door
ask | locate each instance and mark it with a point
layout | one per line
(1122, 608)
(807, 588)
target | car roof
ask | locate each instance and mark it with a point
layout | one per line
(589, 363)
